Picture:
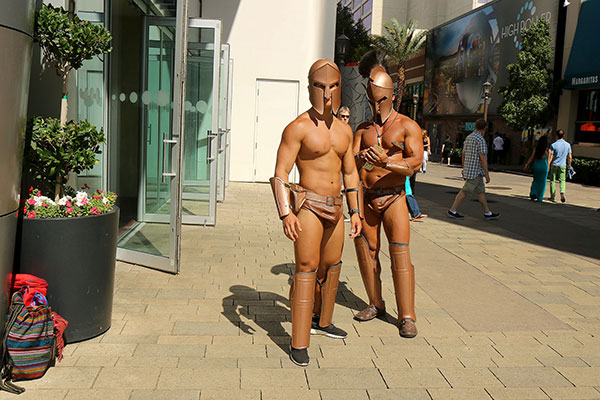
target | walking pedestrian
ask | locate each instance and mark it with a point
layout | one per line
(560, 156)
(475, 168)
(446, 147)
(498, 146)
(411, 203)
(426, 151)
(539, 157)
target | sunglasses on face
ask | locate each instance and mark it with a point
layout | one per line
(344, 116)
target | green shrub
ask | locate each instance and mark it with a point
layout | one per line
(587, 171)
(456, 155)
(53, 151)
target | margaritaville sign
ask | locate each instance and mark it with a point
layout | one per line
(586, 80)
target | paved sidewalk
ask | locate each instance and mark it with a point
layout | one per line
(507, 309)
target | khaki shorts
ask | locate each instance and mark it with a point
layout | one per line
(474, 186)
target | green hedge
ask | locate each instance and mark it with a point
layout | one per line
(456, 155)
(587, 171)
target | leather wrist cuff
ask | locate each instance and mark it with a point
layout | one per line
(393, 166)
(281, 192)
(356, 207)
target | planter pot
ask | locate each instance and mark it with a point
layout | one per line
(76, 256)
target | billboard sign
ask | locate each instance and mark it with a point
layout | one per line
(474, 48)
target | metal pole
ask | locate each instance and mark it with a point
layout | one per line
(485, 107)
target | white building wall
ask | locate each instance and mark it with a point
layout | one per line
(428, 14)
(269, 39)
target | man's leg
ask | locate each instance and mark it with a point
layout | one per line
(306, 250)
(395, 224)
(457, 200)
(562, 177)
(413, 206)
(553, 171)
(367, 249)
(328, 275)
(483, 201)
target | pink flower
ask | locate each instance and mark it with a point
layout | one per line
(97, 197)
(24, 210)
(30, 189)
(69, 204)
(69, 210)
(84, 201)
(31, 214)
(31, 202)
(44, 205)
(94, 211)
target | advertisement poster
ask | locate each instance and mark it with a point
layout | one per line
(466, 52)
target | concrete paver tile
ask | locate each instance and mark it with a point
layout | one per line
(558, 361)
(517, 394)
(127, 378)
(220, 394)
(459, 394)
(572, 393)
(581, 376)
(530, 377)
(398, 394)
(96, 361)
(141, 361)
(341, 394)
(64, 378)
(340, 362)
(414, 378)
(199, 378)
(259, 363)
(104, 349)
(236, 351)
(201, 363)
(290, 394)
(36, 394)
(170, 350)
(515, 361)
(345, 378)
(144, 327)
(350, 351)
(117, 338)
(182, 339)
(470, 377)
(141, 394)
(255, 378)
(98, 394)
(205, 328)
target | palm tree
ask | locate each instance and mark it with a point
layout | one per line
(398, 44)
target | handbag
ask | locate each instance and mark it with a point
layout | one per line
(28, 345)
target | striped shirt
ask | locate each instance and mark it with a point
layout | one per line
(474, 146)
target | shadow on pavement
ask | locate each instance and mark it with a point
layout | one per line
(271, 322)
(563, 227)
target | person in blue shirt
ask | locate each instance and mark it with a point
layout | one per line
(560, 157)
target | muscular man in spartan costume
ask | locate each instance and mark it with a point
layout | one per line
(321, 147)
(387, 150)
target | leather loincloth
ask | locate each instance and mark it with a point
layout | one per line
(327, 208)
(380, 199)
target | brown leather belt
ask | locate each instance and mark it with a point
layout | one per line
(328, 200)
(384, 191)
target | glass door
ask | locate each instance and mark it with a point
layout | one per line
(202, 103)
(223, 122)
(152, 235)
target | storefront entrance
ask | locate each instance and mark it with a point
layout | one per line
(169, 138)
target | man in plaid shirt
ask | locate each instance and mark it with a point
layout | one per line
(475, 168)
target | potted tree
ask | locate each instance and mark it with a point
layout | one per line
(68, 238)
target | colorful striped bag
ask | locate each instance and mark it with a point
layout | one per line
(29, 342)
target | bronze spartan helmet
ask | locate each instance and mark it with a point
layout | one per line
(324, 86)
(380, 91)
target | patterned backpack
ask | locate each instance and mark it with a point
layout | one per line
(28, 345)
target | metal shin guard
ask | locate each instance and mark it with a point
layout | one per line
(301, 301)
(370, 270)
(403, 274)
(329, 290)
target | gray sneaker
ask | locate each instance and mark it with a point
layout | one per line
(330, 331)
(492, 216)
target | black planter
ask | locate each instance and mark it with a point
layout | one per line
(76, 256)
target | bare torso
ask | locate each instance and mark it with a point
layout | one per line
(322, 148)
(396, 130)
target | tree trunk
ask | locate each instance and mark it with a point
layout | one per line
(400, 92)
(64, 106)
(58, 188)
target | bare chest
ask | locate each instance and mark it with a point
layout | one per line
(321, 142)
(387, 138)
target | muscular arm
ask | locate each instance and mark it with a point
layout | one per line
(289, 147)
(352, 181)
(413, 145)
